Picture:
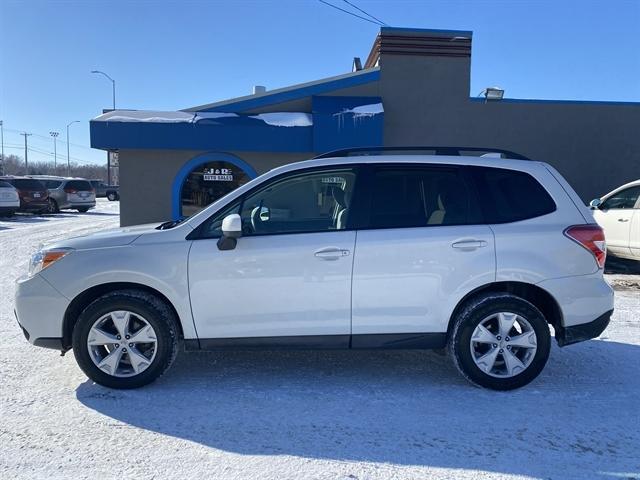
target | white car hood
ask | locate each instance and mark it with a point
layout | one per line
(108, 238)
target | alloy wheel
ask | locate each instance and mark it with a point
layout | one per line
(503, 345)
(122, 343)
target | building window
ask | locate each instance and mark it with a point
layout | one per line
(207, 183)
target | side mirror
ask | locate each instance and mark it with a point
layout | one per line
(231, 231)
(595, 203)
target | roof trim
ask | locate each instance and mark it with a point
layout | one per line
(564, 102)
(293, 92)
(426, 31)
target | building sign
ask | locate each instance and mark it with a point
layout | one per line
(113, 159)
(218, 175)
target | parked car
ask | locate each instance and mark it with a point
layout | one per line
(478, 255)
(34, 197)
(68, 193)
(9, 199)
(618, 213)
(112, 192)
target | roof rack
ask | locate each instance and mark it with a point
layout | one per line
(440, 150)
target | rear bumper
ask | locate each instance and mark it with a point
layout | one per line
(586, 331)
(87, 204)
(581, 298)
(34, 206)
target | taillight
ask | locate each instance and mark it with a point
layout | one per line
(591, 237)
(70, 190)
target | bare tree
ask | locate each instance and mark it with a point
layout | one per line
(14, 165)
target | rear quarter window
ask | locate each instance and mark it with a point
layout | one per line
(510, 196)
(81, 185)
(28, 184)
(4, 184)
(52, 183)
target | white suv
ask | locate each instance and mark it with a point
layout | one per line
(479, 255)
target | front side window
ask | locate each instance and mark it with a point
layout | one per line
(419, 197)
(308, 202)
(304, 202)
(623, 199)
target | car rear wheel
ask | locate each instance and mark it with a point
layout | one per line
(53, 206)
(125, 339)
(112, 196)
(500, 341)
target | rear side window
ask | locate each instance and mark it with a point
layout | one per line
(405, 197)
(81, 185)
(509, 195)
(27, 184)
(52, 183)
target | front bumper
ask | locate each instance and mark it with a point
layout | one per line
(39, 310)
(586, 331)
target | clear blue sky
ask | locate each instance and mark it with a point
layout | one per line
(169, 55)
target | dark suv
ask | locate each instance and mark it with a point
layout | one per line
(112, 192)
(34, 197)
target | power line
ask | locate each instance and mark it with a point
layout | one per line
(49, 139)
(41, 152)
(366, 13)
(351, 13)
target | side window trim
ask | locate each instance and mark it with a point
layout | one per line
(198, 234)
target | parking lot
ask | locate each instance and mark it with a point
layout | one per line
(277, 415)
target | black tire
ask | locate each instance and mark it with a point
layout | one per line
(474, 312)
(83, 210)
(156, 312)
(53, 206)
(113, 196)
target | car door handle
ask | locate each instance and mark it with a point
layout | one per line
(469, 244)
(331, 253)
(623, 219)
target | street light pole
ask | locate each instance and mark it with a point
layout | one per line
(2, 143)
(55, 151)
(26, 152)
(113, 87)
(68, 157)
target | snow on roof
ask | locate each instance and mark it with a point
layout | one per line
(363, 110)
(286, 119)
(277, 119)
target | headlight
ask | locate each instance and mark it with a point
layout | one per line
(44, 258)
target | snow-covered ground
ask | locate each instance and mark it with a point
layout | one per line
(323, 415)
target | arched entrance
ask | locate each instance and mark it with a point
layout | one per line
(206, 178)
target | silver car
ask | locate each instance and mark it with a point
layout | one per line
(68, 193)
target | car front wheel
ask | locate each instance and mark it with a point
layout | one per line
(500, 341)
(125, 339)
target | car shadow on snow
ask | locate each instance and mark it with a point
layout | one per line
(398, 407)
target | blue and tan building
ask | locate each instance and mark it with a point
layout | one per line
(413, 89)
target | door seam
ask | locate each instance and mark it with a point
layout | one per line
(353, 262)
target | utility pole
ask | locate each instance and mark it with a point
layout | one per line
(55, 151)
(68, 157)
(2, 143)
(26, 152)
